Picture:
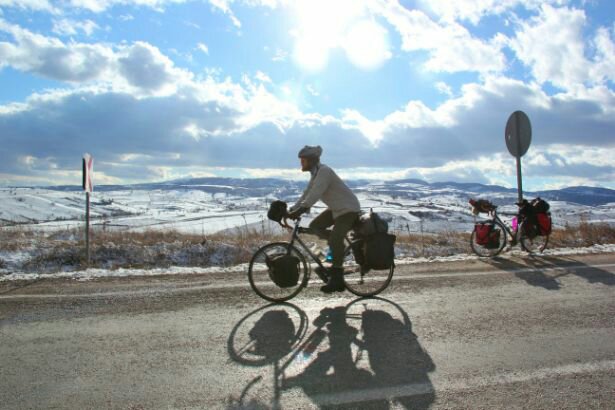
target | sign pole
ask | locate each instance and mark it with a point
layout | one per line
(519, 176)
(87, 229)
(519, 181)
(88, 169)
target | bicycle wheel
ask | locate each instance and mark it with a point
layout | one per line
(492, 248)
(530, 239)
(260, 278)
(361, 283)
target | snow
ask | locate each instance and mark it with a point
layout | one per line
(90, 274)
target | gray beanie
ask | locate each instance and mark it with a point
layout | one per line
(310, 151)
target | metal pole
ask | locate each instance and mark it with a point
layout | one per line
(518, 156)
(519, 182)
(87, 229)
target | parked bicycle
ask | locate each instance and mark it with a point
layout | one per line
(490, 237)
(264, 282)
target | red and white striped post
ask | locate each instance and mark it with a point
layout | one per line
(88, 187)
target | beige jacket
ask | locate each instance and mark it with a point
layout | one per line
(326, 186)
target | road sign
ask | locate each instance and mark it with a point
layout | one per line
(518, 134)
(88, 169)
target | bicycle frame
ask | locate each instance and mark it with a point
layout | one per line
(296, 230)
(513, 234)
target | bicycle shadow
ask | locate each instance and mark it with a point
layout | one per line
(532, 270)
(340, 365)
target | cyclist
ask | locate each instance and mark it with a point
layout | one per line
(342, 210)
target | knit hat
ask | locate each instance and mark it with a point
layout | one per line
(310, 151)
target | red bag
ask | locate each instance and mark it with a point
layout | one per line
(482, 233)
(544, 223)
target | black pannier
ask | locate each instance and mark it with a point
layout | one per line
(494, 239)
(540, 205)
(283, 270)
(357, 246)
(369, 224)
(379, 251)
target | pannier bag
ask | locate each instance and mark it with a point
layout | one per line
(277, 211)
(494, 239)
(481, 206)
(379, 251)
(283, 270)
(482, 230)
(357, 247)
(540, 205)
(543, 220)
(370, 223)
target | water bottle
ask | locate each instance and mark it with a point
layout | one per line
(329, 256)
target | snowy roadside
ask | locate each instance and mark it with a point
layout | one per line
(88, 274)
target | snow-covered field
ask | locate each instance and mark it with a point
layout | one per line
(205, 209)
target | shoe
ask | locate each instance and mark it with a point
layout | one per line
(323, 273)
(336, 281)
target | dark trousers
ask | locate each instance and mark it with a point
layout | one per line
(335, 237)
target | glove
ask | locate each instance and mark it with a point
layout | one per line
(295, 214)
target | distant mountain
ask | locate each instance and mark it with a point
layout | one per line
(404, 188)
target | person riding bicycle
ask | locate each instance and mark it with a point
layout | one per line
(342, 211)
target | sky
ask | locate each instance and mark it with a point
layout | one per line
(158, 90)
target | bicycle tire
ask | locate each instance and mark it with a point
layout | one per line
(368, 284)
(531, 242)
(484, 251)
(261, 282)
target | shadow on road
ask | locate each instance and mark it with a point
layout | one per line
(364, 354)
(532, 270)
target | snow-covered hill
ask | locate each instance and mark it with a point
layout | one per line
(209, 205)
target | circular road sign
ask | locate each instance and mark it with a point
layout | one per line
(518, 134)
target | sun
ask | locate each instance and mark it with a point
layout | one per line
(325, 25)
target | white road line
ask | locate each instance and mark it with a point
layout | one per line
(245, 284)
(458, 384)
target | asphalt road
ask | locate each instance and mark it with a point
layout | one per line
(506, 333)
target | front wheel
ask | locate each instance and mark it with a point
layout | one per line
(364, 283)
(492, 244)
(530, 238)
(259, 274)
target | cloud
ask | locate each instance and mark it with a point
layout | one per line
(139, 67)
(564, 60)
(67, 27)
(33, 5)
(222, 124)
(203, 47)
(474, 10)
(450, 46)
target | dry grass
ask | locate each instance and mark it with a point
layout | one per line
(65, 249)
(584, 234)
(426, 245)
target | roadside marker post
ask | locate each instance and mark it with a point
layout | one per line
(518, 136)
(88, 187)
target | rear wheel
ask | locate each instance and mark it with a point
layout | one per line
(364, 283)
(530, 239)
(492, 248)
(259, 274)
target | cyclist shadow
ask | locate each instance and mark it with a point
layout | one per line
(382, 360)
(533, 267)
